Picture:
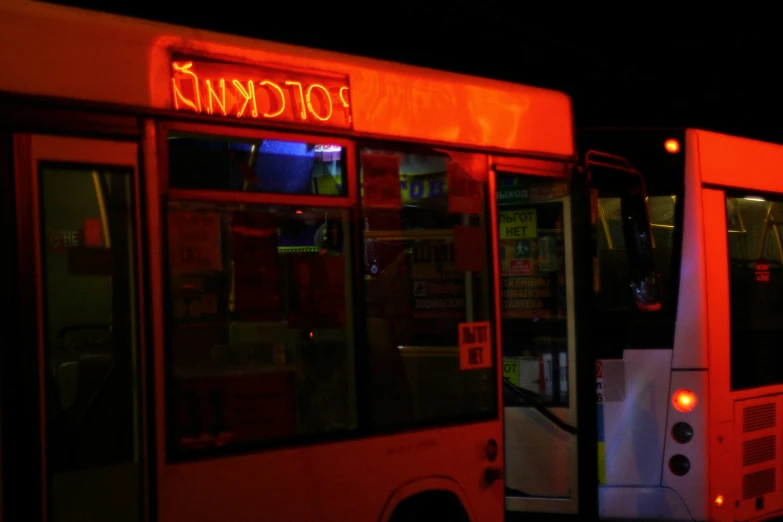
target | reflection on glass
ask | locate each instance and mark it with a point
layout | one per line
(90, 345)
(425, 237)
(756, 295)
(533, 288)
(260, 338)
(272, 166)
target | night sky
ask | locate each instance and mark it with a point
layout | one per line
(641, 65)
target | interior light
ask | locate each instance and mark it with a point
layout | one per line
(298, 211)
(672, 146)
(719, 500)
(684, 400)
(753, 198)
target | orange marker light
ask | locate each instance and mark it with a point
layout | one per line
(684, 401)
(672, 146)
(719, 500)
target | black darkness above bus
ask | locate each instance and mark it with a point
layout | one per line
(616, 324)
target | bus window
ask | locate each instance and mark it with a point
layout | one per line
(91, 343)
(615, 307)
(426, 271)
(260, 331)
(755, 291)
(611, 247)
(229, 164)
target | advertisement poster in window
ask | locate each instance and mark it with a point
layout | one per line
(522, 297)
(381, 181)
(532, 268)
(256, 288)
(195, 242)
(513, 191)
(464, 193)
(320, 291)
(197, 298)
(438, 289)
(475, 345)
(423, 190)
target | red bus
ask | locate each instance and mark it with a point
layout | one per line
(252, 281)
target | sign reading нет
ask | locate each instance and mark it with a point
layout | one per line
(518, 224)
(475, 345)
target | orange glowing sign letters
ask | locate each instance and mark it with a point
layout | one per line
(262, 93)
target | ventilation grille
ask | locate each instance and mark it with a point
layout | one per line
(758, 417)
(756, 451)
(758, 483)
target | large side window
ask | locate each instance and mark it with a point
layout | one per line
(755, 290)
(426, 272)
(268, 166)
(260, 339)
(614, 301)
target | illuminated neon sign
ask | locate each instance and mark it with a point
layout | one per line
(261, 93)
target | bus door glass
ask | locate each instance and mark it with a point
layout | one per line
(84, 253)
(429, 313)
(539, 396)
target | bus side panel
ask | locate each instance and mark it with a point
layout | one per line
(691, 487)
(646, 503)
(635, 432)
(690, 337)
(352, 480)
(723, 480)
(635, 418)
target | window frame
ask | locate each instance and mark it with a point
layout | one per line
(348, 202)
(351, 198)
(492, 292)
(741, 193)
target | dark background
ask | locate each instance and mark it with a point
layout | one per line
(638, 64)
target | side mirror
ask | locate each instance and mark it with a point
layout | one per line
(613, 176)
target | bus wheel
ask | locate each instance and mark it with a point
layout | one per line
(430, 506)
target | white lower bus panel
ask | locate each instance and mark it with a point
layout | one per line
(637, 440)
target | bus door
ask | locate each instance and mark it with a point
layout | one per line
(538, 334)
(79, 362)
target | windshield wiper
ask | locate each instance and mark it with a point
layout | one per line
(534, 400)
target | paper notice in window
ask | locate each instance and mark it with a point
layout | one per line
(465, 196)
(475, 346)
(195, 242)
(381, 181)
